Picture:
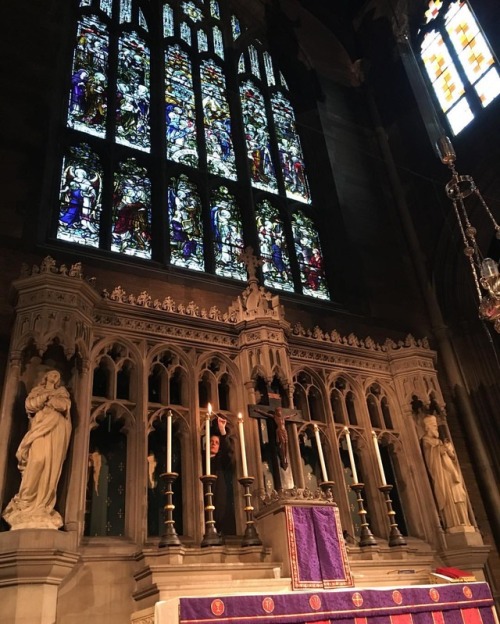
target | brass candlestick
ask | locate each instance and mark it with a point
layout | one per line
(251, 537)
(365, 535)
(169, 537)
(327, 488)
(211, 537)
(395, 536)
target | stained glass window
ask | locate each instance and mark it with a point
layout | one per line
(89, 79)
(227, 233)
(202, 41)
(291, 157)
(80, 197)
(168, 21)
(309, 256)
(192, 11)
(186, 230)
(273, 247)
(458, 61)
(133, 94)
(180, 108)
(125, 11)
(235, 27)
(131, 227)
(218, 42)
(244, 153)
(214, 9)
(220, 151)
(257, 137)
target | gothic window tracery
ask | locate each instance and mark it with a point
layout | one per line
(113, 192)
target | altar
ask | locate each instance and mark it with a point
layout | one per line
(454, 603)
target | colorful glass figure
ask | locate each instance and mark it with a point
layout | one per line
(180, 108)
(133, 93)
(168, 21)
(80, 197)
(227, 233)
(273, 248)
(291, 156)
(186, 229)
(309, 256)
(88, 100)
(219, 144)
(257, 138)
(131, 216)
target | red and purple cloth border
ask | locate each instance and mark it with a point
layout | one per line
(456, 603)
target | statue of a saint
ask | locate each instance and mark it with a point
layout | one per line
(447, 483)
(41, 455)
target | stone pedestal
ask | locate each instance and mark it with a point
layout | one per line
(33, 564)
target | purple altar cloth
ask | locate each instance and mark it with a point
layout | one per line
(456, 603)
(318, 557)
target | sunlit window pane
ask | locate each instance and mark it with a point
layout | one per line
(441, 70)
(488, 87)
(459, 116)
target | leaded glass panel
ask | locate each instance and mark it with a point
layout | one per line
(80, 197)
(186, 33)
(257, 138)
(254, 61)
(227, 233)
(242, 65)
(273, 248)
(459, 116)
(180, 108)
(142, 21)
(107, 7)
(268, 64)
(202, 41)
(310, 259)
(235, 27)
(125, 11)
(168, 21)
(441, 70)
(186, 229)
(133, 93)
(434, 7)
(131, 217)
(469, 43)
(488, 87)
(85, 3)
(219, 144)
(192, 11)
(214, 9)
(218, 42)
(88, 100)
(290, 150)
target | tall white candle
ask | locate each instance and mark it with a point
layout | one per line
(242, 444)
(169, 441)
(351, 455)
(207, 440)
(379, 458)
(320, 453)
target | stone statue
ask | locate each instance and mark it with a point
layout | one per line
(41, 455)
(447, 483)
